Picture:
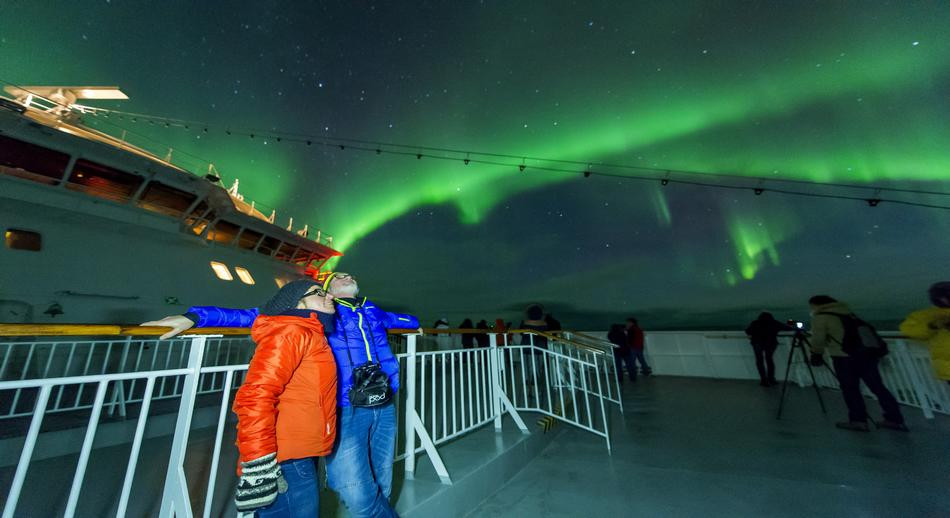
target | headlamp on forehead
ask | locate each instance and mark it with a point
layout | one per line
(334, 275)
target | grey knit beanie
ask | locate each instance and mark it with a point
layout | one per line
(288, 296)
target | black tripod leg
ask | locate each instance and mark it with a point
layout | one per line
(814, 383)
(788, 369)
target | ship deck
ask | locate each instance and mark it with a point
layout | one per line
(683, 447)
(701, 447)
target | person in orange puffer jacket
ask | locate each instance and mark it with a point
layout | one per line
(286, 406)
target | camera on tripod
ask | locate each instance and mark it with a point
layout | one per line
(795, 324)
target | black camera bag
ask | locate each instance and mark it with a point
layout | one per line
(370, 387)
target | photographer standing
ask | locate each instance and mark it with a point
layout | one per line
(852, 362)
(763, 335)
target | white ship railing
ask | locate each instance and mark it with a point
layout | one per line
(65, 359)
(445, 395)
(598, 350)
(907, 371)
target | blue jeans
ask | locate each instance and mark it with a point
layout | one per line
(638, 356)
(360, 469)
(302, 498)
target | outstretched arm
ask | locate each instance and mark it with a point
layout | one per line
(177, 323)
(399, 321)
(213, 316)
(205, 316)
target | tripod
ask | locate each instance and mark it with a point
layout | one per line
(799, 340)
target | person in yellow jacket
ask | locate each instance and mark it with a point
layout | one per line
(932, 326)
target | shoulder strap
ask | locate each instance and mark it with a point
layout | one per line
(841, 318)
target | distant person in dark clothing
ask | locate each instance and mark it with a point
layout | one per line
(534, 320)
(468, 340)
(482, 338)
(622, 353)
(553, 324)
(637, 346)
(763, 335)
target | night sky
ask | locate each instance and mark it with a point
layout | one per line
(831, 91)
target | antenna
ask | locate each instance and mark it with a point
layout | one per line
(64, 96)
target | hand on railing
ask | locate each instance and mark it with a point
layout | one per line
(177, 323)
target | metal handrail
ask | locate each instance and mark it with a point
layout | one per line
(133, 330)
(571, 389)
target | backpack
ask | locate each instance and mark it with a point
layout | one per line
(860, 338)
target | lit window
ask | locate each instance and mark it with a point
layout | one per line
(244, 275)
(221, 270)
(280, 282)
(23, 240)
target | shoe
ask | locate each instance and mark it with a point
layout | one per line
(856, 426)
(764, 383)
(891, 425)
(773, 381)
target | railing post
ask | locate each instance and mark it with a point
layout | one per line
(118, 389)
(907, 363)
(410, 406)
(603, 408)
(713, 373)
(26, 454)
(175, 500)
(414, 424)
(495, 379)
(616, 379)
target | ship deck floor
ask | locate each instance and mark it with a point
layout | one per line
(701, 447)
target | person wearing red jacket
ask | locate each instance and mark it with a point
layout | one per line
(287, 406)
(637, 344)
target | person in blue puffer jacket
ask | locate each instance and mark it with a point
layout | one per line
(360, 467)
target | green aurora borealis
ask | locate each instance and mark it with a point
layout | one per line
(853, 92)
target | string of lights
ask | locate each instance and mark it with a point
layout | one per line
(467, 157)
(288, 136)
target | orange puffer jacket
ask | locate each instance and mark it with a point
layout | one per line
(287, 403)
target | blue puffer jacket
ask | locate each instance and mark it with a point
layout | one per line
(360, 328)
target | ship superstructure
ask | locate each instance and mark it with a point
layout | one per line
(98, 229)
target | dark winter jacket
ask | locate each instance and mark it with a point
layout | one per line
(764, 331)
(618, 337)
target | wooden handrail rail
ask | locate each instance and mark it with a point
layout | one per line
(109, 330)
(130, 330)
